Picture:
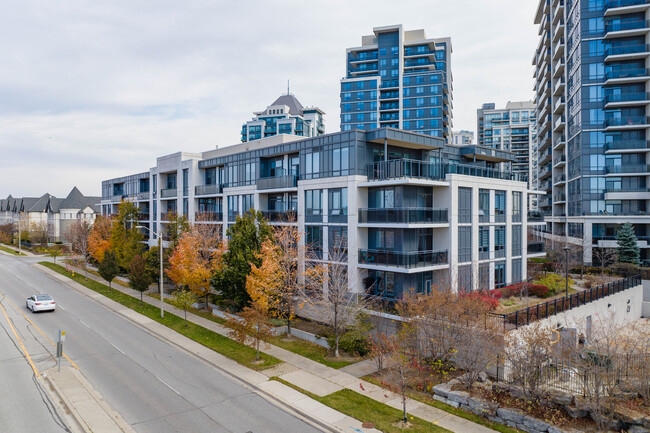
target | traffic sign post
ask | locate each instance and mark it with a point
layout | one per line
(59, 347)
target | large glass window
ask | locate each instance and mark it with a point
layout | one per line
(500, 206)
(314, 240)
(516, 240)
(484, 205)
(171, 181)
(312, 164)
(464, 205)
(314, 205)
(338, 241)
(499, 241)
(516, 206)
(500, 274)
(465, 244)
(341, 161)
(338, 204)
(233, 207)
(186, 186)
(247, 202)
(484, 242)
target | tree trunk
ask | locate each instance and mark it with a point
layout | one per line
(141, 298)
(185, 309)
(257, 343)
(403, 394)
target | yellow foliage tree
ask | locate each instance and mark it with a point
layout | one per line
(197, 256)
(99, 240)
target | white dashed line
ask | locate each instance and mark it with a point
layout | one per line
(120, 350)
(167, 385)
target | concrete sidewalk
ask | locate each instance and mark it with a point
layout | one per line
(297, 370)
(86, 407)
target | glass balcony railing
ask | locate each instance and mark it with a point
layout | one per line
(623, 3)
(628, 168)
(628, 144)
(410, 168)
(627, 121)
(626, 25)
(169, 192)
(207, 189)
(403, 215)
(399, 259)
(627, 97)
(626, 49)
(535, 247)
(285, 179)
(627, 73)
(280, 215)
(208, 216)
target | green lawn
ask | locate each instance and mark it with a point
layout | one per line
(243, 354)
(365, 409)
(450, 409)
(308, 350)
(10, 251)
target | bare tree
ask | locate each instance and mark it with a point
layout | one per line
(478, 348)
(78, 234)
(38, 233)
(605, 257)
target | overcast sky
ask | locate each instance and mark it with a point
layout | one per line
(91, 90)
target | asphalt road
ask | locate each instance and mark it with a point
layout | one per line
(156, 387)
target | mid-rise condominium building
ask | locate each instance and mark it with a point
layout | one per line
(285, 116)
(592, 100)
(512, 128)
(411, 211)
(462, 138)
(398, 79)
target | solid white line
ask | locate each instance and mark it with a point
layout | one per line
(120, 350)
(59, 306)
(167, 385)
(84, 323)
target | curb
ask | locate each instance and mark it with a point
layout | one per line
(265, 394)
(70, 413)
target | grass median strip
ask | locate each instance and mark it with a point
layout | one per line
(365, 409)
(11, 251)
(452, 410)
(244, 355)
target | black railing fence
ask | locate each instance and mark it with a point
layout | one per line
(546, 309)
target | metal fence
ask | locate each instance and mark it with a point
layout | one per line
(549, 308)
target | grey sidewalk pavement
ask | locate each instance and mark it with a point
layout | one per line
(86, 407)
(299, 371)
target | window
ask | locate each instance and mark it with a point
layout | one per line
(249, 173)
(499, 274)
(233, 207)
(483, 276)
(483, 242)
(171, 181)
(314, 240)
(500, 206)
(484, 205)
(247, 202)
(499, 241)
(341, 161)
(464, 205)
(516, 240)
(516, 270)
(314, 205)
(210, 176)
(338, 205)
(338, 241)
(465, 244)
(465, 279)
(516, 206)
(312, 164)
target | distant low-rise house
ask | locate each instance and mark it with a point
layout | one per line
(48, 213)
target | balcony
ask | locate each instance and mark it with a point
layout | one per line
(208, 189)
(632, 146)
(559, 198)
(631, 122)
(559, 161)
(626, 75)
(535, 217)
(640, 169)
(559, 123)
(626, 52)
(625, 28)
(630, 193)
(168, 193)
(557, 180)
(535, 248)
(168, 216)
(558, 87)
(143, 215)
(625, 99)
(280, 216)
(407, 260)
(403, 216)
(208, 216)
(117, 197)
(389, 106)
(389, 95)
(545, 157)
(278, 182)
(142, 196)
(616, 7)
(559, 142)
(405, 168)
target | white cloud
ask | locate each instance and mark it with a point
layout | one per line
(93, 90)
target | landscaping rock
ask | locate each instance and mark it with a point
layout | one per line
(628, 415)
(536, 424)
(553, 429)
(444, 400)
(561, 398)
(575, 412)
(482, 407)
(638, 429)
(459, 397)
(442, 389)
(513, 415)
(482, 376)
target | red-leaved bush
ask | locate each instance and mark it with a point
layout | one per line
(516, 289)
(486, 297)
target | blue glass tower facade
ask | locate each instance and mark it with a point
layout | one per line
(398, 79)
(592, 101)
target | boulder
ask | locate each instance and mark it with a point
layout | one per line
(553, 429)
(459, 397)
(442, 389)
(536, 424)
(628, 415)
(482, 407)
(576, 412)
(482, 376)
(561, 398)
(513, 415)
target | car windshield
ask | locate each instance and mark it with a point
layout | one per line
(43, 298)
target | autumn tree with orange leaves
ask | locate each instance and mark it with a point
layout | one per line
(99, 240)
(197, 256)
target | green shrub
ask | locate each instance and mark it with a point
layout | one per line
(554, 282)
(356, 340)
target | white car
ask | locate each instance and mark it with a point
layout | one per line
(41, 302)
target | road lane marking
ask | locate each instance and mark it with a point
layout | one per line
(41, 332)
(29, 359)
(84, 323)
(167, 385)
(59, 306)
(120, 350)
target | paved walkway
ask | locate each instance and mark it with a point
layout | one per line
(297, 370)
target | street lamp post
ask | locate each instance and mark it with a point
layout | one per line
(566, 267)
(160, 248)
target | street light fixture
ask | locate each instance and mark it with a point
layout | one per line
(160, 247)
(566, 267)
